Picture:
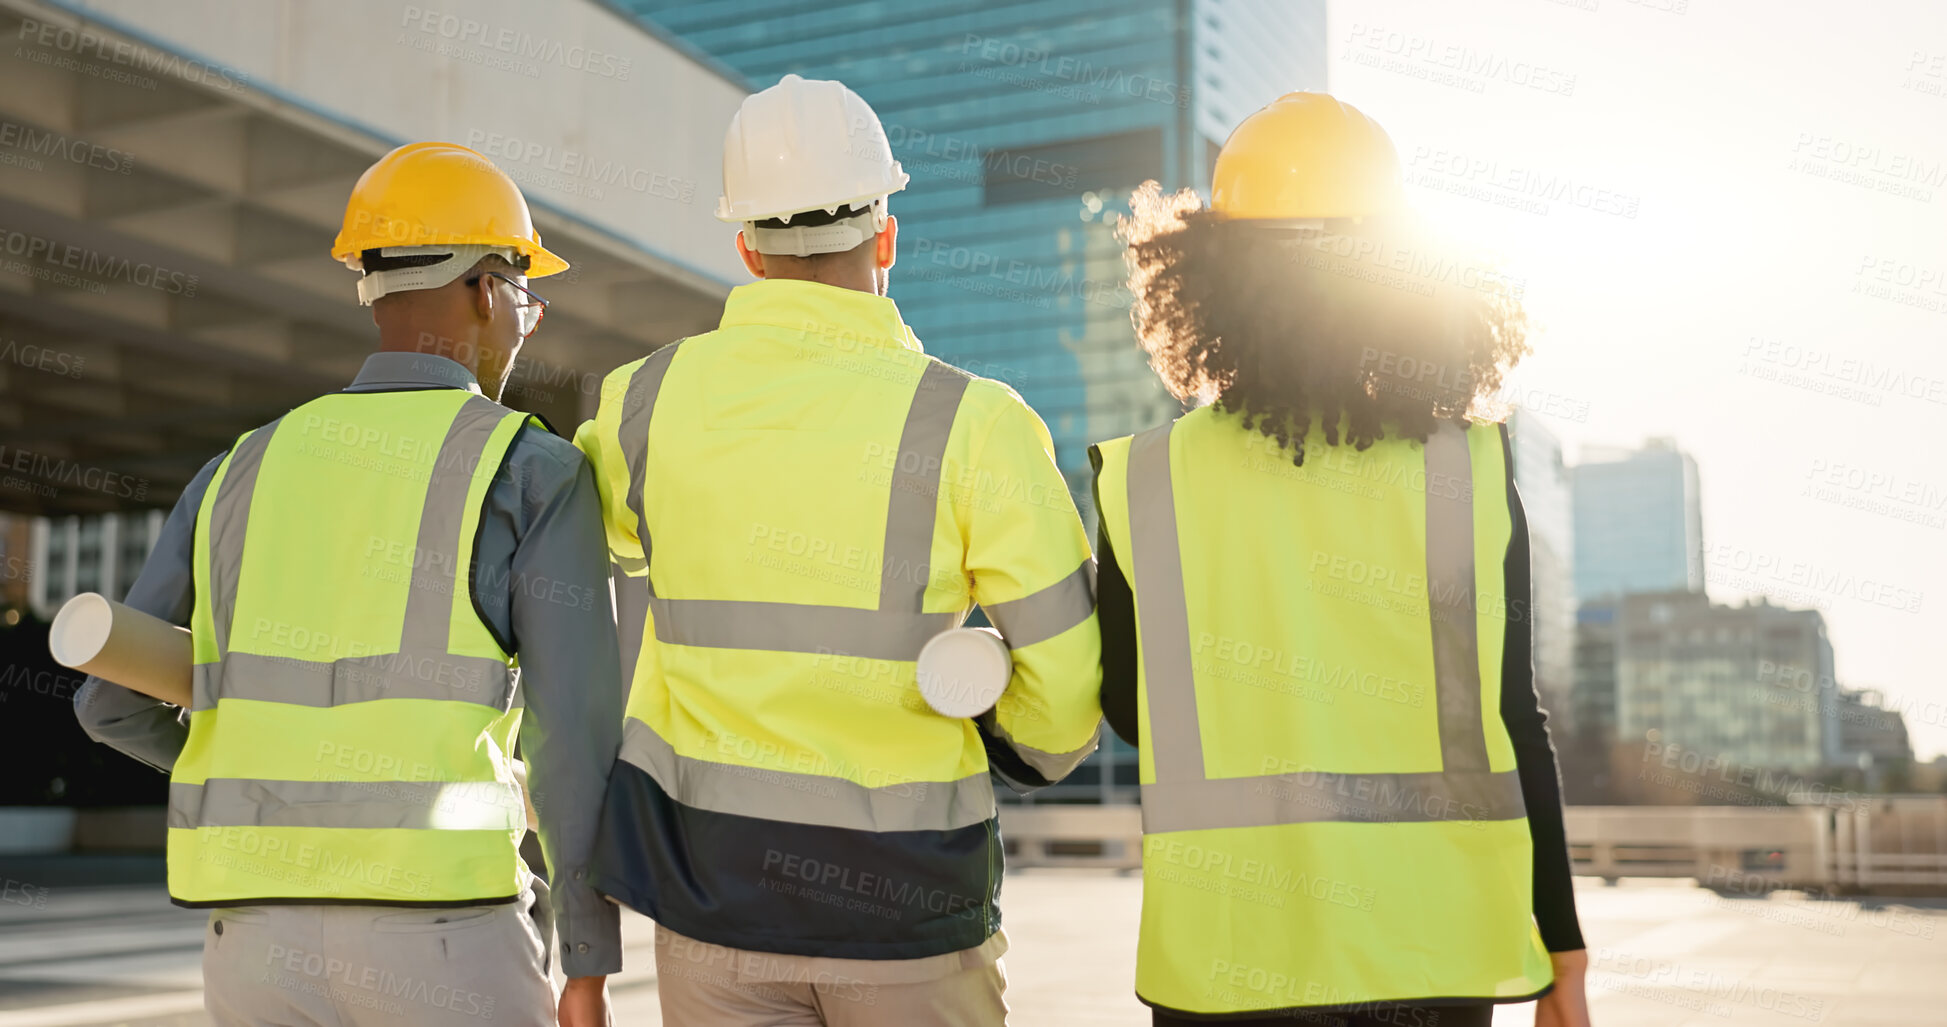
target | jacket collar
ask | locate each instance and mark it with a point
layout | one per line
(391, 371)
(820, 313)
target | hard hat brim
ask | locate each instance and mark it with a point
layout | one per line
(542, 262)
(730, 215)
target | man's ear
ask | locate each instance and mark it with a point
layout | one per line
(887, 247)
(753, 260)
(483, 296)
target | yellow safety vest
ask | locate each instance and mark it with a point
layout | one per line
(353, 715)
(803, 495)
(1331, 812)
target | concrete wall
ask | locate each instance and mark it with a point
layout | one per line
(595, 116)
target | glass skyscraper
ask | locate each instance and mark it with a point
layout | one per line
(1546, 499)
(1024, 127)
(1638, 522)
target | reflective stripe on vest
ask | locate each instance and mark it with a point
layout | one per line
(444, 805)
(1039, 616)
(821, 799)
(422, 669)
(293, 786)
(899, 627)
(1183, 798)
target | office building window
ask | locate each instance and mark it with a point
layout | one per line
(1071, 167)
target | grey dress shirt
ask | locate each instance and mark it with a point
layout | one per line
(542, 581)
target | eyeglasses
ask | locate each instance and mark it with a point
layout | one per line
(530, 312)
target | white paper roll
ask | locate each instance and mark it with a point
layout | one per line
(97, 635)
(80, 629)
(962, 672)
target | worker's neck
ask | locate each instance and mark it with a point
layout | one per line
(857, 278)
(461, 348)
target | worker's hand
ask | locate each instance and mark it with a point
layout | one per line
(1568, 1004)
(584, 1002)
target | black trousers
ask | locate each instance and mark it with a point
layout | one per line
(1402, 1016)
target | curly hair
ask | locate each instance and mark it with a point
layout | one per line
(1361, 330)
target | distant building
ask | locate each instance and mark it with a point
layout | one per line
(1749, 685)
(1869, 734)
(1546, 499)
(1638, 522)
(1584, 748)
(1595, 670)
(92, 553)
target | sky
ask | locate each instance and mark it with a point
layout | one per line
(1731, 223)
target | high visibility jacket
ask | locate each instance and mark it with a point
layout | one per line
(352, 717)
(823, 498)
(1331, 810)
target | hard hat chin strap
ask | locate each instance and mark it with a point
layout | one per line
(406, 268)
(805, 241)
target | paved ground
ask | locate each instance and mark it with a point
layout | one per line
(1666, 955)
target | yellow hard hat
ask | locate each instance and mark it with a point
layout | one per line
(440, 194)
(1306, 156)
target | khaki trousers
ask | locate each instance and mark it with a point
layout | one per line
(704, 985)
(376, 966)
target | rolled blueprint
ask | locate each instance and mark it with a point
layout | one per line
(97, 635)
(962, 672)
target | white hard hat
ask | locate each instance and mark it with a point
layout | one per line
(805, 145)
